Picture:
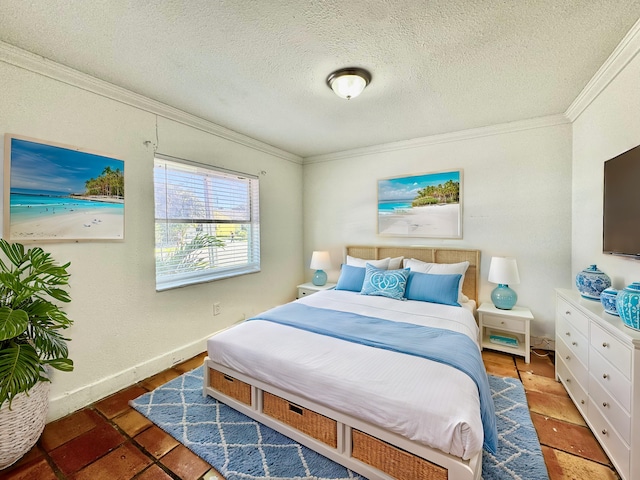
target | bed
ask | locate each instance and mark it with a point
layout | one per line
(382, 407)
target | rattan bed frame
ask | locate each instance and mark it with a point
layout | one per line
(366, 449)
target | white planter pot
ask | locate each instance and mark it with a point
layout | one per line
(23, 423)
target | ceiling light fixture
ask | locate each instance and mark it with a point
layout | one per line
(349, 82)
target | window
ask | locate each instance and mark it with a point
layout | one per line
(207, 223)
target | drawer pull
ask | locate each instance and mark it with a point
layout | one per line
(568, 380)
(575, 344)
(567, 312)
(295, 409)
(568, 357)
(605, 432)
(502, 323)
(605, 344)
(605, 404)
(604, 375)
(228, 378)
(568, 334)
(582, 402)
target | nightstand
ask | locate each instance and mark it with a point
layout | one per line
(309, 288)
(508, 324)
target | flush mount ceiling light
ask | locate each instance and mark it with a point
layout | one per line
(349, 82)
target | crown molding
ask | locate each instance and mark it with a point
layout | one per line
(499, 129)
(35, 63)
(626, 50)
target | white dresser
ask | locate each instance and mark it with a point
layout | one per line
(598, 362)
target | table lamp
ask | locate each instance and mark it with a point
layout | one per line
(504, 271)
(320, 261)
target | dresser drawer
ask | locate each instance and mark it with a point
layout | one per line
(572, 362)
(614, 382)
(573, 387)
(510, 324)
(614, 446)
(611, 410)
(575, 339)
(571, 314)
(612, 349)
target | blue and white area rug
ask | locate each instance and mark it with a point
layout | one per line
(242, 449)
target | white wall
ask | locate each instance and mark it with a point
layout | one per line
(516, 202)
(124, 330)
(609, 126)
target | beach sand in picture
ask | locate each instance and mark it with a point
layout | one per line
(429, 221)
(82, 225)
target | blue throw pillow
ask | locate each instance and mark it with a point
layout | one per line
(426, 287)
(351, 278)
(385, 283)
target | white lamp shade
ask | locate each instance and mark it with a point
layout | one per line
(320, 261)
(504, 270)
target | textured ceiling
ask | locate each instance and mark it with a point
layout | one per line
(259, 66)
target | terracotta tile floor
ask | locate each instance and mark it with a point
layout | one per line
(110, 441)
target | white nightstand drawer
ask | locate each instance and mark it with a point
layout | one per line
(611, 410)
(612, 349)
(302, 292)
(575, 340)
(503, 323)
(578, 319)
(611, 379)
(306, 289)
(572, 362)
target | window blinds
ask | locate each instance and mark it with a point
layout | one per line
(207, 223)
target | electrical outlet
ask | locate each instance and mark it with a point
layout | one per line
(216, 308)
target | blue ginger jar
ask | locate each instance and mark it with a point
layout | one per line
(628, 305)
(591, 282)
(608, 299)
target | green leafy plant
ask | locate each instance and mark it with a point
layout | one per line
(30, 321)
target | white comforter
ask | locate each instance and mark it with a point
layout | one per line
(425, 401)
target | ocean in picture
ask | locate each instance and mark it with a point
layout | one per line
(28, 205)
(390, 207)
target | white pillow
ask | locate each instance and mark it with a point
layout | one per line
(441, 269)
(395, 263)
(361, 262)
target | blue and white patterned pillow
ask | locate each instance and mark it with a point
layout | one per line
(385, 283)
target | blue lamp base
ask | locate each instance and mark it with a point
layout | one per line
(319, 278)
(504, 297)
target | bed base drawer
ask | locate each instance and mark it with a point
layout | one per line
(307, 421)
(393, 460)
(232, 387)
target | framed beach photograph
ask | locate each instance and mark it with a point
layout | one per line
(60, 193)
(425, 205)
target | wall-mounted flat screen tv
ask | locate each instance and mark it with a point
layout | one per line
(621, 212)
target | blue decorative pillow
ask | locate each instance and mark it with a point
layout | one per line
(437, 288)
(351, 278)
(385, 283)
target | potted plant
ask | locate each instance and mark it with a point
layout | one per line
(31, 343)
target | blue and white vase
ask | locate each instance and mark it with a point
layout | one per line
(628, 305)
(591, 282)
(608, 299)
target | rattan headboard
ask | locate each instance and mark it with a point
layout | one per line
(471, 283)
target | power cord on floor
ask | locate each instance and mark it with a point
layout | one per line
(540, 354)
(541, 346)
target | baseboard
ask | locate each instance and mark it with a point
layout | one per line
(69, 402)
